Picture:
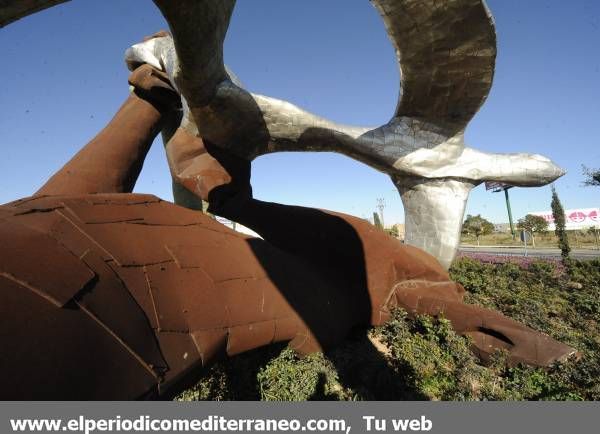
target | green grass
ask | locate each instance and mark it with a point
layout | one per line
(423, 359)
(577, 240)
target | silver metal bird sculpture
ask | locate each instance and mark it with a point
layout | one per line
(446, 52)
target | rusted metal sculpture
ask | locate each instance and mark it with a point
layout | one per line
(105, 294)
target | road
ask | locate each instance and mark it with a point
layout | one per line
(585, 254)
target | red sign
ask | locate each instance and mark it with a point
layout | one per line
(577, 217)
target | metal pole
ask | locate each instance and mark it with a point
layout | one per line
(510, 219)
(381, 206)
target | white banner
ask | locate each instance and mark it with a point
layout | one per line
(575, 219)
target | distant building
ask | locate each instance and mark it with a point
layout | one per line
(401, 230)
(501, 227)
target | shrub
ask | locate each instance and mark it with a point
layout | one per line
(423, 358)
(558, 213)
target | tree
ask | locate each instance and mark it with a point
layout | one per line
(477, 226)
(593, 230)
(393, 231)
(592, 177)
(377, 221)
(559, 220)
(534, 224)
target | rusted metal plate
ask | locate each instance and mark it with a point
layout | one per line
(164, 288)
(182, 357)
(57, 226)
(29, 257)
(182, 298)
(211, 344)
(114, 307)
(214, 257)
(115, 210)
(261, 300)
(249, 336)
(103, 213)
(49, 353)
(146, 239)
(136, 283)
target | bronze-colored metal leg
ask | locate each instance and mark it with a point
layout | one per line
(111, 162)
(489, 330)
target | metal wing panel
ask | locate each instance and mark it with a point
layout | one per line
(446, 51)
(199, 28)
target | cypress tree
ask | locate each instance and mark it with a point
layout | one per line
(377, 221)
(559, 221)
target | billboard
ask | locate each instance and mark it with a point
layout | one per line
(575, 219)
(496, 186)
(237, 227)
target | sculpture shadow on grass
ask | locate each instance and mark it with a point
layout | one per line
(266, 373)
(338, 307)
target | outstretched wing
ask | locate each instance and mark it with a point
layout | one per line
(447, 51)
(12, 10)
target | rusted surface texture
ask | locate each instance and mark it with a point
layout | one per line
(168, 312)
(172, 289)
(106, 294)
(52, 353)
(203, 168)
(377, 272)
(112, 161)
(66, 315)
(164, 291)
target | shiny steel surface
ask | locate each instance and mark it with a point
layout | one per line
(446, 53)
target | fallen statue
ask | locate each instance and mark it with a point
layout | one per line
(106, 294)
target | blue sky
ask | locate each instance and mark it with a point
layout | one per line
(63, 77)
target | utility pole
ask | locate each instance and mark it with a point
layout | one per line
(381, 206)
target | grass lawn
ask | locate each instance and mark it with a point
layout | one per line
(423, 359)
(577, 240)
